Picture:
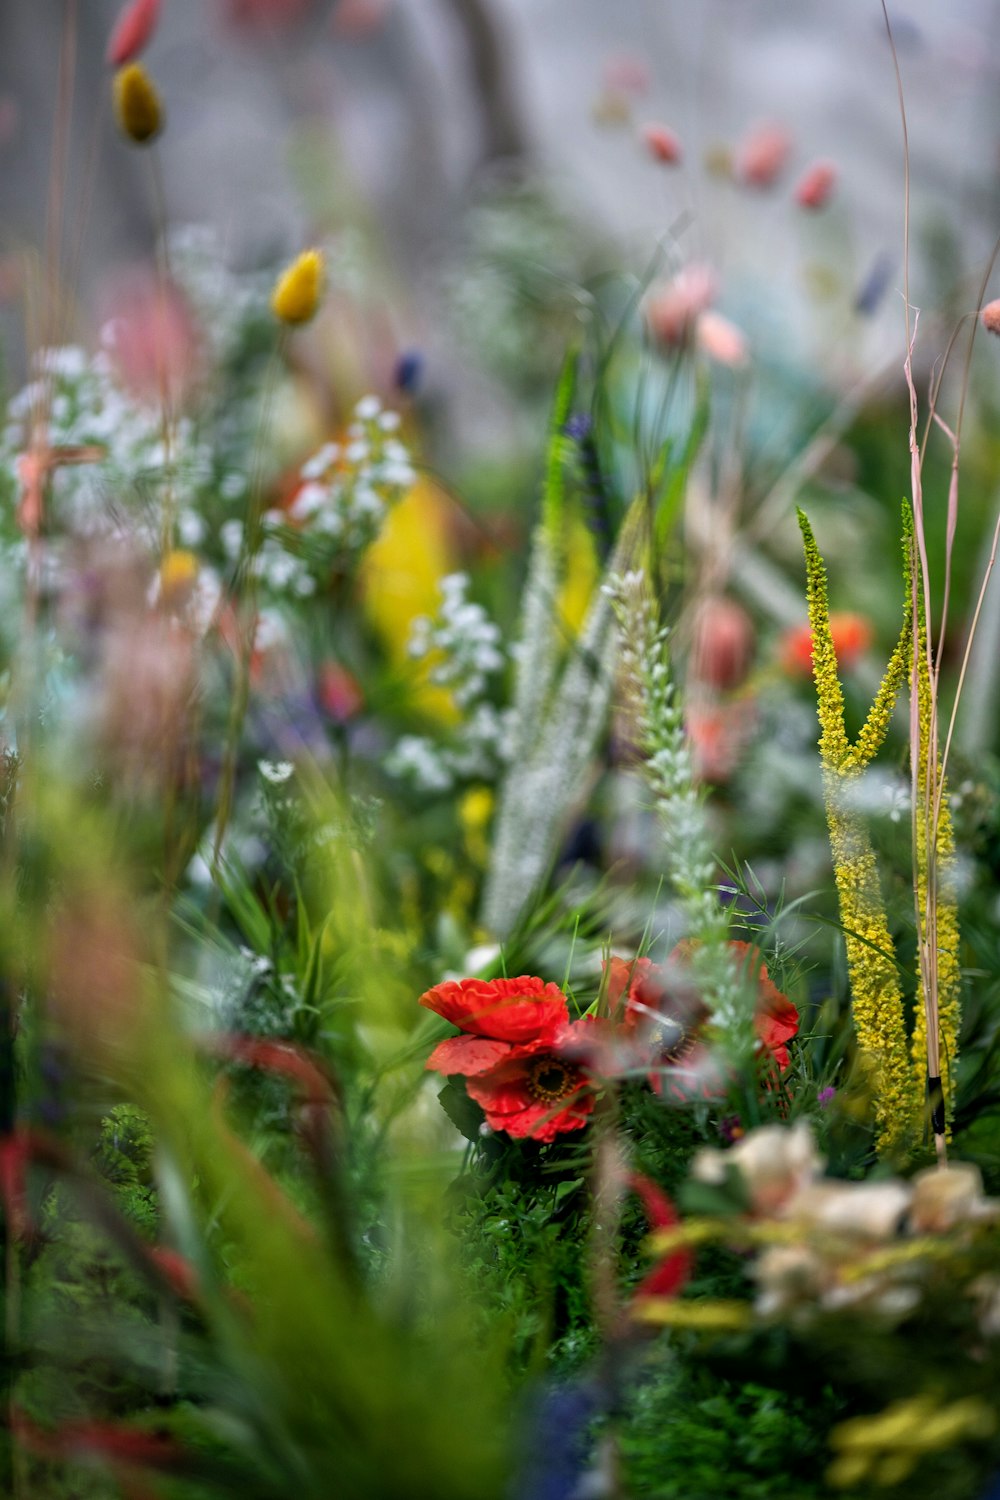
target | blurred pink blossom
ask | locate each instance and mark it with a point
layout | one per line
(662, 143)
(356, 19)
(673, 308)
(153, 338)
(265, 15)
(626, 74)
(816, 185)
(990, 316)
(132, 31)
(762, 155)
(721, 340)
(722, 644)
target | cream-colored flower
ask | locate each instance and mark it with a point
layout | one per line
(946, 1196)
(865, 1210)
(786, 1276)
(776, 1164)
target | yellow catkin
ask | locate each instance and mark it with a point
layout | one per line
(876, 994)
(137, 104)
(299, 288)
(946, 936)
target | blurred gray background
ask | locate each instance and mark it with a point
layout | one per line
(417, 102)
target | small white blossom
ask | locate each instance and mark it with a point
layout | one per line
(275, 771)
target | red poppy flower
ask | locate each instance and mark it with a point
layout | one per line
(670, 1015)
(534, 1090)
(506, 1010)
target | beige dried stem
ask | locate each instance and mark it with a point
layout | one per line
(928, 765)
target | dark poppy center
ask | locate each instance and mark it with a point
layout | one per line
(670, 1040)
(549, 1080)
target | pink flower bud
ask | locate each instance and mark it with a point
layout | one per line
(673, 309)
(990, 316)
(721, 340)
(722, 645)
(662, 143)
(816, 185)
(132, 31)
(762, 156)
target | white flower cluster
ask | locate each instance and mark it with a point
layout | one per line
(83, 406)
(222, 300)
(463, 645)
(463, 640)
(347, 490)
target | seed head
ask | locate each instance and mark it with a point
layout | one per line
(990, 316)
(137, 104)
(298, 290)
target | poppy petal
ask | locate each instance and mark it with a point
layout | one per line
(467, 1055)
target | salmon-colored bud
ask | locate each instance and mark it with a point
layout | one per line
(662, 143)
(137, 104)
(298, 290)
(762, 155)
(717, 736)
(816, 185)
(721, 340)
(723, 644)
(990, 316)
(673, 309)
(132, 31)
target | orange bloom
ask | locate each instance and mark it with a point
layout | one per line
(852, 635)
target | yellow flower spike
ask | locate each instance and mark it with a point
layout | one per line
(138, 109)
(876, 995)
(833, 745)
(299, 289)
(946, 936)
